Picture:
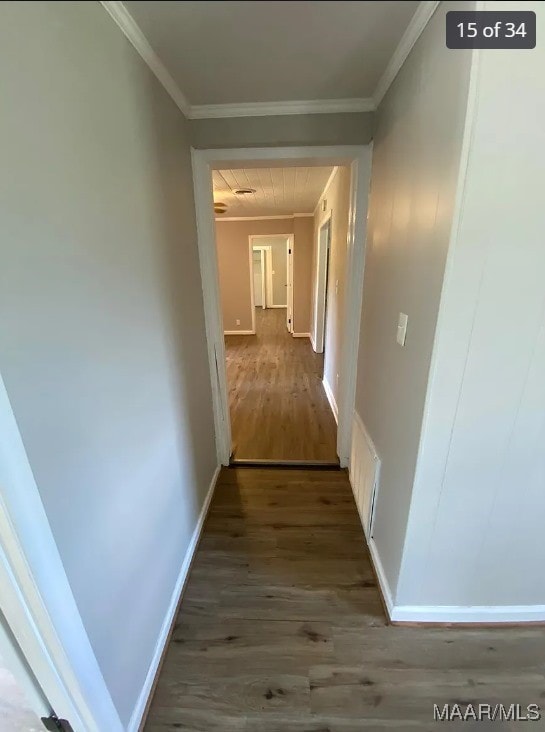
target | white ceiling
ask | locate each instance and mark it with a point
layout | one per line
(279, 191)
(226, 52)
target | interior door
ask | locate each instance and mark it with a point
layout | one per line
(289, 309)
(257, 263)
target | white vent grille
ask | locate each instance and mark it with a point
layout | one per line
(364, 473)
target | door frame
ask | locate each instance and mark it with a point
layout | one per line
(266, 283)
(322, 285)
(289, 281)
(37, 601)
(358, 158)
(253, 239)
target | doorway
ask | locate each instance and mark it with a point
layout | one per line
(322, 284)
(355, 159)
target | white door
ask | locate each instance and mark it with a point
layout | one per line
(257, 263)
(26, 705)
(289, 309)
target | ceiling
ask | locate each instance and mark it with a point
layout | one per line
(272, 51)
(279, 191)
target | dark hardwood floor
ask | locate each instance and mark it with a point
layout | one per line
(281, 628)
(279, 410)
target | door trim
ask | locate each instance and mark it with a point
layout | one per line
(321, 285)
(37, 600)
(358, 157)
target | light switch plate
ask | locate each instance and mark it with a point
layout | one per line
(402, 328)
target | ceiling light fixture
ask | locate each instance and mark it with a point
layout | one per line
(244, 191)
(219, 207)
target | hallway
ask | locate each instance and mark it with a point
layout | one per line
(281, 628)
(279, 410)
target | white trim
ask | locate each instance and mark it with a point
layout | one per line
(360, 179)
(213, 320)
(239, 332)
(327, 154)
(204, 161)
(264, 218)
(251, 274)
(419, 21)
(460, 614)
(129, 27)
(268, 109)
(331, 399)
(382, 579)
(321, 283)
(312, 343)
(326, 188)
(270, 293)
(164, 635)
(301, 335)
(124, 20)
(290, 244)
(37, 600)
(266, 263)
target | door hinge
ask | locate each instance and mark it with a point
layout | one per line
(55, 724)
(289, 320)
(289, 251)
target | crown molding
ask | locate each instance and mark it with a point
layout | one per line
(268, 109)
(124, 20)
(419, 21)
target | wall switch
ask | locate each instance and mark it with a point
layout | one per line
(402, 328)
(238, 322)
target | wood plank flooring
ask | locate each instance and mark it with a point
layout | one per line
(279, 410)
(281, 628)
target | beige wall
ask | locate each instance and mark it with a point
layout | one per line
(102, 346)
(416, 158)
(337, 198)
(232, 242)
(296, 129)
(303, 229)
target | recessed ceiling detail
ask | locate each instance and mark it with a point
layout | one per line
(319, 51)
(276, 191)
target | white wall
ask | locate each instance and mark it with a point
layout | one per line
(102, 345)
(414, 174)
(475, 535)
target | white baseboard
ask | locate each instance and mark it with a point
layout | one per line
(483, 614)
(382, 579)
(455, 614)
(276, 306)
(239, 332)
(301, 335)
(331, 399)
(164, 635)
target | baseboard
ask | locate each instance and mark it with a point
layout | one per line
(384, 586)
(331, 399)
(276, 306)
(312, 342)
(476, 614)
(301, 335)
(140, 711)
(239, 332)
